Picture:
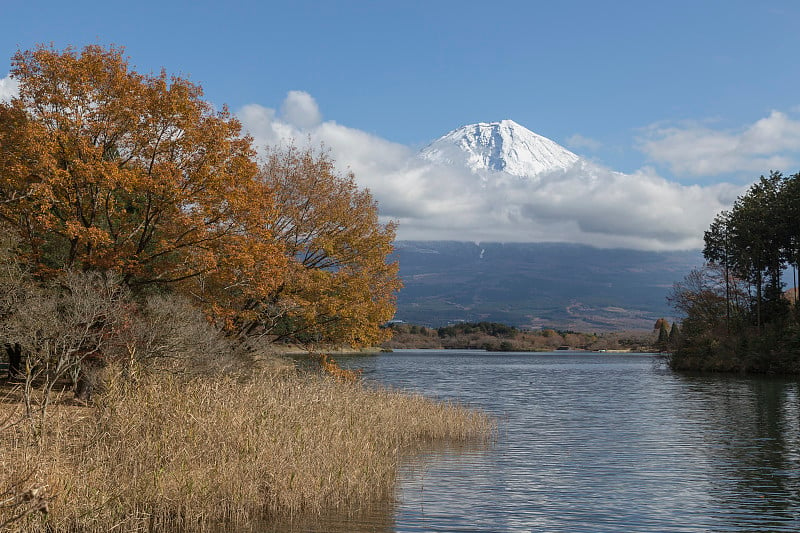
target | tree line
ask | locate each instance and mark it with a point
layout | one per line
(107, 170)
(738, 315)
(498, 337)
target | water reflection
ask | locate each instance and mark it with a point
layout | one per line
(750, 427)
(375, 518)
(600, 443)
(419, 503)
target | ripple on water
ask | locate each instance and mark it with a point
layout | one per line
(597, 443)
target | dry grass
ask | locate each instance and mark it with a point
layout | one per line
(168, 453)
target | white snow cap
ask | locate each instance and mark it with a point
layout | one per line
(503, 146)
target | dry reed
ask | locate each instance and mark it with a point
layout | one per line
(171, 454)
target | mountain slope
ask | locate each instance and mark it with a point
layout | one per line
(503, 146)
(565, 286)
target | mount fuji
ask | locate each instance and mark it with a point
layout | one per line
(567, 286)
(503, 146)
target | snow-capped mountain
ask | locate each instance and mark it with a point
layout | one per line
(503, 146)
(502, 175)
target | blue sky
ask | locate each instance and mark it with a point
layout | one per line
(692, 92)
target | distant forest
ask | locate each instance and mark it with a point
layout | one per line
(498, 337)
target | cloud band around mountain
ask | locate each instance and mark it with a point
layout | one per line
(693, 149)
(585, 203)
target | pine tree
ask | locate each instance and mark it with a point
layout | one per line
(663, 336)
(674, 335)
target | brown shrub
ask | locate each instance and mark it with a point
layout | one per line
(176, 453)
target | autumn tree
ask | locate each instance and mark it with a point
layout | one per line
(660, 323)
(663, 336)
(338, 285)
(105, 168)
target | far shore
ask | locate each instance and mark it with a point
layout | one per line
(565, 351)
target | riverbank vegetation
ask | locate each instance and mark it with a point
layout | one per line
(169, 453)
(503, 338)
(738, 315)
(150, 260)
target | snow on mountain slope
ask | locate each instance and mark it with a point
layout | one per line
(503, 146)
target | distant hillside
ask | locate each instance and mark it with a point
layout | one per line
(565, 286)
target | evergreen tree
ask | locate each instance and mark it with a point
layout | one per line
(736, 312)
(663, 336)
(674, 335)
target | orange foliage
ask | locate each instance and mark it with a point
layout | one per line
(339, 285)
(118, 170)
(331, 367)
(103, 168)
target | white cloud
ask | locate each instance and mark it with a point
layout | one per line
(9, 88)
(586, 204)
(771, 143)
(263, 124)
(578, 142)
(640, 210)
(301, 110)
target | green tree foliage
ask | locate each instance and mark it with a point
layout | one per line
(674, 335)
(506, 346)
(492, 329)
(737, 316)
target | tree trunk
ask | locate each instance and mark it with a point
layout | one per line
(727, 296)
(14, 352)
(795, 289)
(85, 385)
(758, 301)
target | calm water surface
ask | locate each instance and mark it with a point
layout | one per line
(594, 443)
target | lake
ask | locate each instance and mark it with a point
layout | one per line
(592, 443)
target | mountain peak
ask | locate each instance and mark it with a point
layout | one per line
(503, 146)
